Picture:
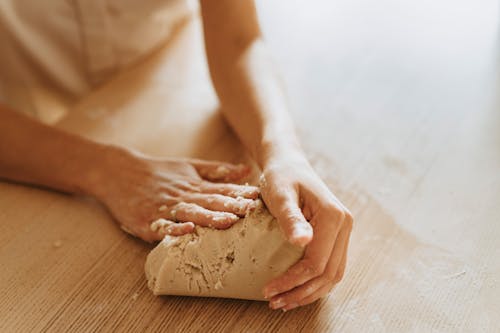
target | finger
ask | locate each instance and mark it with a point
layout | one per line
(127, 230)
(190, 212)
(231, 190)
(320, 293)
(284, 206)
(314, 261)
(182, 185)
(220, 171)
(164, 227)
(179, 229)
(142, 231)
(328, 277)
(341, 270)
(296, 294)
(221, 203)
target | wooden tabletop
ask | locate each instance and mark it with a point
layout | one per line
(397, 105)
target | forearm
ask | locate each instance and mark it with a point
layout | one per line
(250, 91)
(31, 152)
(255, 105)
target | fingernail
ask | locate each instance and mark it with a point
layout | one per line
(278, 303)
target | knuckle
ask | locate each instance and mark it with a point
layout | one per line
(348, 215)
(330, 277)
(338, 214)
(205, 185)
(185, 185)
(197, 183)
(211, 199)
(334, 212)
(348, 223)
(172, 189)
(288, 213)
(348, 218)
(190, 196)
(314, 270)
(182, 206)
(185, 196)
(167, 199)
(340, 274)
(309, 290)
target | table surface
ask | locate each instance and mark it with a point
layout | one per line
(398, 109)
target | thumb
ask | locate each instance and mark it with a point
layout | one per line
(220, 171)
(284, 206)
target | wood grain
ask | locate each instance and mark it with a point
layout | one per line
(398, 108)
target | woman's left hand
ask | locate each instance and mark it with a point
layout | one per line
(310, 215)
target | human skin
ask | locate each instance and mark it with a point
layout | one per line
(189, 191)
(254, 104)
(136, 189)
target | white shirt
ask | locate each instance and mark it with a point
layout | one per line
(53, 52)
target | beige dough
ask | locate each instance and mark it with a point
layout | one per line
(232, 263)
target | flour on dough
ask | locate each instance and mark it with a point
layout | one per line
(232, 263)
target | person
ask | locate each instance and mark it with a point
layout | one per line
(81, 44)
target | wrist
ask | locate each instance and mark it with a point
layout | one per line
(101, 166)
(280, 151)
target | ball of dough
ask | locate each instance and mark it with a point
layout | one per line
(232, 263)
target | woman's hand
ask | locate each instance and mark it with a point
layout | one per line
(138, 190)
(255, 105)
(309, 214)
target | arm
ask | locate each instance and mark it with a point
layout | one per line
(245, 79)
(135, 188)
(255, 106)
(34, 153)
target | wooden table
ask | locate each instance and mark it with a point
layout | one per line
(398, 107)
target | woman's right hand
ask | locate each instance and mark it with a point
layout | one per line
(139, 190)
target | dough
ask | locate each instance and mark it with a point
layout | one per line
(232, 263)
